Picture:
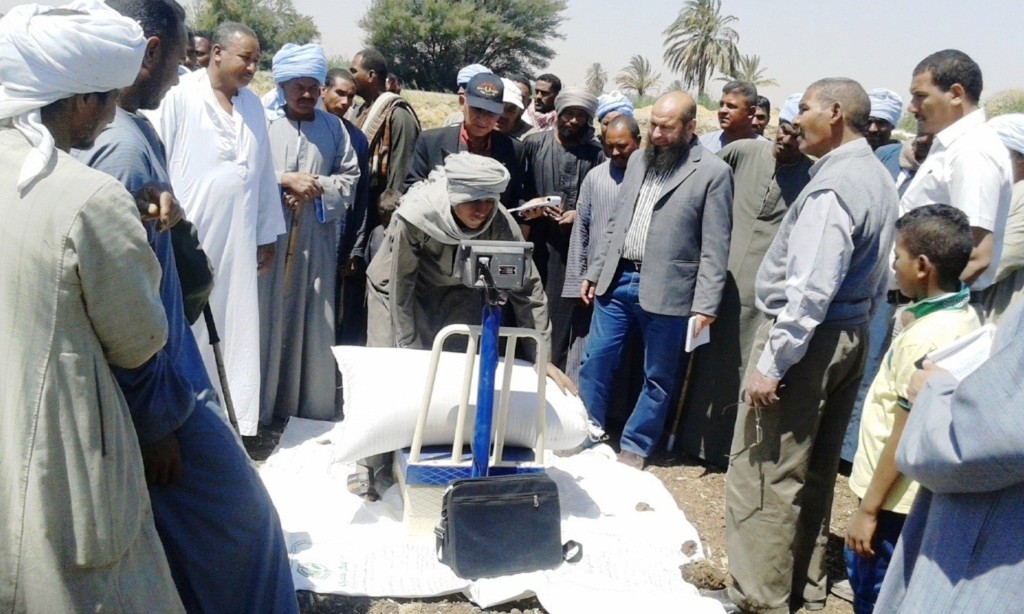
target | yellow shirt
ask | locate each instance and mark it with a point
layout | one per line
(932, 331)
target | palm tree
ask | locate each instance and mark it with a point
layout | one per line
(699, 41)
(749, 69)
(638, 76)
(675, 86)
(596, 78)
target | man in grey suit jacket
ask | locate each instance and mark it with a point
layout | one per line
(960, 550)
(662, 259)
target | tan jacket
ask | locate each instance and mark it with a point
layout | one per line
(78, 290)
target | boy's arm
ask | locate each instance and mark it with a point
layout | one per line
(861, 531)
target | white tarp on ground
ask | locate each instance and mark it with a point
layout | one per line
(633, 536)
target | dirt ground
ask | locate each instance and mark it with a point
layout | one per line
(698, 490)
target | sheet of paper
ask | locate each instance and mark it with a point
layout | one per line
(694, 341)
(537, 203)
(965, 354)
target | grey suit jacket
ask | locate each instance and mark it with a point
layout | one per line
(687, 250)
(962, 547)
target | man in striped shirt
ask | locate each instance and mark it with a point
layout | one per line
(594, 210)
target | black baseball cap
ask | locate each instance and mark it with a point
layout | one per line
(486, 92)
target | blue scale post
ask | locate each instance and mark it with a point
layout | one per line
(491, 323)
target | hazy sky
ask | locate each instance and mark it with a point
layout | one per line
(874, 41)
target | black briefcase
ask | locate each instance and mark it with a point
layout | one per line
(495, 526)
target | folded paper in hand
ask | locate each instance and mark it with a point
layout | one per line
(965, 354)
(537, 203)
(693, 340)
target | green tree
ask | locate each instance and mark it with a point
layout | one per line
(675, 86)
(699, 41)
(1010, 101)
(638, 76)
(275, 22)
(596, 78)
(748, 68)
(428, 41)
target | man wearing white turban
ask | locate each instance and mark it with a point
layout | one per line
(412, 294)
(412, 290)
(79, 293)
(215, 133)
(318, 172)
(1008, 288)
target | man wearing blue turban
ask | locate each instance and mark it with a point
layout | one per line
(318, 173)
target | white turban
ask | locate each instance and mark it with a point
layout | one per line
(512, 93)
(46, 58)
(790, 108)
(468, 72)
(473, 177)
(294, 62)
(886, 104)
(1010, 128)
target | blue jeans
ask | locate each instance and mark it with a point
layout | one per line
(616, 314)
(866, 574)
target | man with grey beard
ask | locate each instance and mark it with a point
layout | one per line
(663, 260)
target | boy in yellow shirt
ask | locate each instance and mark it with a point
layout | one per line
(933, 245)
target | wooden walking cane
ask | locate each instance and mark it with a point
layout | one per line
(222, 374)
(292, 236)
(679, 406)
(293, 233)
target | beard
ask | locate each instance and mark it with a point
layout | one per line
(661, 160)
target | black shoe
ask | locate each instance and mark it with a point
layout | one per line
(722, 596)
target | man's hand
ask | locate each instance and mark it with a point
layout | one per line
(587, 291)
(156, 203)
(162, 461)
(548, 212)
(301, 188)
(350, 266)
(761, 391)
(265, 257)
(861, 532)
(702, 321)
(568, 217)
(920, 378)
(560, 379)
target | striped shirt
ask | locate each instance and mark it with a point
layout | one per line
(636, 236)
(595, 206)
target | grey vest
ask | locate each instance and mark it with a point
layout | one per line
(865, 189)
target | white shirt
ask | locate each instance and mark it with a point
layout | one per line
(222, 170)
(968, 167)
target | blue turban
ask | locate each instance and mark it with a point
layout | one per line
(790, 108)
(886, 104)
(614, 102)
(294, 62)
(468, 72)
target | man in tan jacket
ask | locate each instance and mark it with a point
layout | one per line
(78, 292)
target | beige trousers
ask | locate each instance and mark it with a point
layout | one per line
(779, 491)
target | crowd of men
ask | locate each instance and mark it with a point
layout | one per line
(826, 263)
